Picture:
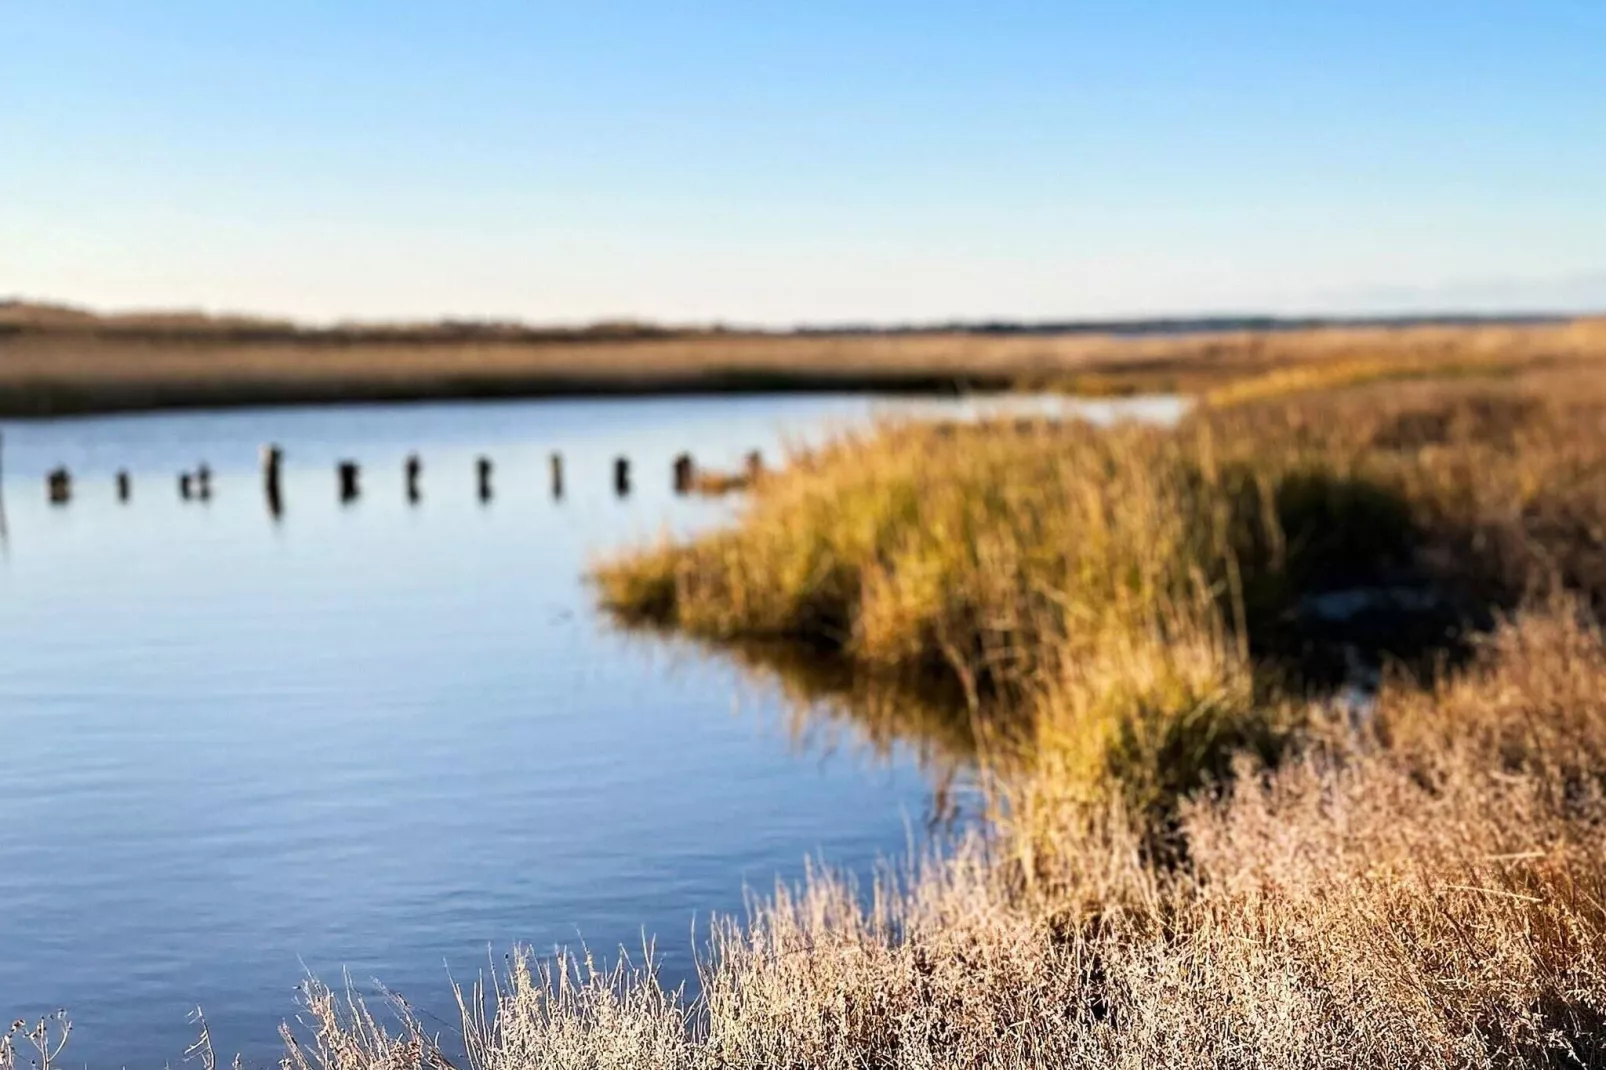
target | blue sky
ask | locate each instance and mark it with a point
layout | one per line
(786, 162)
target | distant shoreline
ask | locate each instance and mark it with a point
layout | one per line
(53, 401)
(18, 314)
(57, 361)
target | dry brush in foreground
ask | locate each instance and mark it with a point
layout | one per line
(1421, 895)
(1196, 860)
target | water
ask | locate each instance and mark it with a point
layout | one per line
(384, 739)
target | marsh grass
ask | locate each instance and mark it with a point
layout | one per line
(38, 1043)
(55, 361)
(1130, 608)
(1193, 859)
(1114, 586)
(1505, 484)
(1372, 902)
(1353, 371)
(1423, 886)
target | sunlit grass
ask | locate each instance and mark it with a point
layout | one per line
(1330, 375)
(1195, 858)
(60, 361)
(1111, 582)
(1368, 904)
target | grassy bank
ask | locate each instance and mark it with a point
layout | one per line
(1424, 892)
(1198, 857)
(1145, 595)
(55, 361)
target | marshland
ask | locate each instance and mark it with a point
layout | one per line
(61, 360)
(813, 536)
(1206, 847)
(1261, 729)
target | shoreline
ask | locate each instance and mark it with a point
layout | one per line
(1194, 839)
(87, 365)
(54, 402)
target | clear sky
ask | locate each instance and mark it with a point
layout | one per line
(758, 162)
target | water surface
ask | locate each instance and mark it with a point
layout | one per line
(383, 738)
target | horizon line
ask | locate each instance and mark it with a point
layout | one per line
(87, 315)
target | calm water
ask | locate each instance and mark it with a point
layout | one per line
(387, 739)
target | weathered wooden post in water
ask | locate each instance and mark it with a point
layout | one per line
(557, 476)
(621, 476)
(125, 486)
(483, 468)
(186, 487)
(755, 465)
(348, 472)
(272, 462)
(414, 469)
(203, 482)
(58, 485)
(685, 473)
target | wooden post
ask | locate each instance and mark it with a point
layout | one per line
(482, 468)
(203, 482)
(621, 476)
(557, 476)
(348, 472)
(414, 468)
(125, 486)
(685, 473)
(755, 465)
(58, 485)
(272, 463)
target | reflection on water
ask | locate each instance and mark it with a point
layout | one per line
(828, 707)
(883, 713)
(268, 732)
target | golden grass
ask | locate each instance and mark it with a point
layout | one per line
(1106, 586)
(1505, 482)
(1334, 374)
(1137, 584)
(1424, 886)
(55, 361)
(1193, 861)
(1358, 907)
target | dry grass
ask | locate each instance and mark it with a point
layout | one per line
(1425, 891)
(55, 361)
(1343, 372)
(979, 547)
(1507, 482)
(1124, 605)
(1365, 905)
(1192, 862)
(1106, 590)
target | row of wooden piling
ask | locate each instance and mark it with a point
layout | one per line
(349, 476)
(191, 485)
(197, 484)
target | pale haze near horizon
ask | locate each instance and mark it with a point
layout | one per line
(778, 164)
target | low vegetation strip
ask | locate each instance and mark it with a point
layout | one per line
(1123, 577)
(1196, 856)
(1380, 900)
(55, 361)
